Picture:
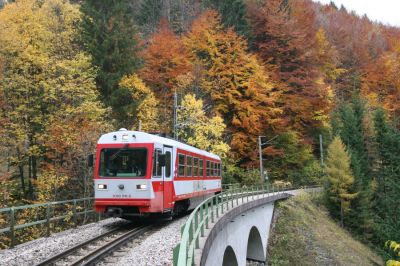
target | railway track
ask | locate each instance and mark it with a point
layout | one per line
(95, 249)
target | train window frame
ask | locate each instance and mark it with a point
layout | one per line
(208, 172)
(195, 166)
(181, 166)
(212, 168)
(201, 167)
(101, 160)
(189, 168)
(167, 168)
(156, 166)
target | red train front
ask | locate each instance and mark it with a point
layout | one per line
(139, 174)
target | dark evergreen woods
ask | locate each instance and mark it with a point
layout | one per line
(286, 70)
(109, 35)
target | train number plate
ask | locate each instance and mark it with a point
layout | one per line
(122, 196)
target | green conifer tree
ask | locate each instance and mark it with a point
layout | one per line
(149, 16)
(109, 36)
(388, 190)
(233, 14)
(348, 124)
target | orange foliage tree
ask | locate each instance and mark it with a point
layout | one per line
(236, 84)
(165, 60)
(287, 41)
(382, 82)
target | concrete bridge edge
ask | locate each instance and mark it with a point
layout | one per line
(226, 218)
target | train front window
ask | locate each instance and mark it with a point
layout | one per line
(124, 162)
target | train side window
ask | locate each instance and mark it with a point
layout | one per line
(196, 166)
(219, 169)
(212, 168)
(168, 164)
(208, 168)
(156, 165)
(201, 167)
(181, 164)
(189, 165)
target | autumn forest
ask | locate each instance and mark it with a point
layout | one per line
(288, 70)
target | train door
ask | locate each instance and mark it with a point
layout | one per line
(167, 175)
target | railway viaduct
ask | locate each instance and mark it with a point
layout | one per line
(239, 234)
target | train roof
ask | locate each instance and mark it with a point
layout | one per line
(142, 137)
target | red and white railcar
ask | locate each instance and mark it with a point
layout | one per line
(139, 174)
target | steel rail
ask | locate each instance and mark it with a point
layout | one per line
(69, 251)
(98, 253)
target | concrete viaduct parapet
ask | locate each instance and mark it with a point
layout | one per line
(240, 234)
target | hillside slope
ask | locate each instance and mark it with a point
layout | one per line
(304, 234)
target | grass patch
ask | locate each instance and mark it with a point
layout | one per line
(304, 234)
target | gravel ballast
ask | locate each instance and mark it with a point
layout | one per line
(33, 252)
(153, 248)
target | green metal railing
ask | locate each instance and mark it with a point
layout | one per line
(70, 213)
(209, 211)
(230, 186)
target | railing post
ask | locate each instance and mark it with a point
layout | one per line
(12, 224)
(232, 197)
(194, 229)
(212, 210)
(227, 201)
(216, 206)
(222, 203)
(237, 197)
(206, 214)
(190, 232)
(48, 219)
(75, 219)
(201, 221)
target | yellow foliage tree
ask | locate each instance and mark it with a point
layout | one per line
(339, 176)
(200, 131)
(145, 112)
(47, 89)
(49, 183)
(328, 57)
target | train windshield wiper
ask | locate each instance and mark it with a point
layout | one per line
(115, 154)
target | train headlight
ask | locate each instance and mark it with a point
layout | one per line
(125, 137)
(141, 186)
(102, 186)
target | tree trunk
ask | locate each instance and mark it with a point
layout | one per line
(21, 172)
(22, 178)
(34, 167)
(30, 186)
(341, 214)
